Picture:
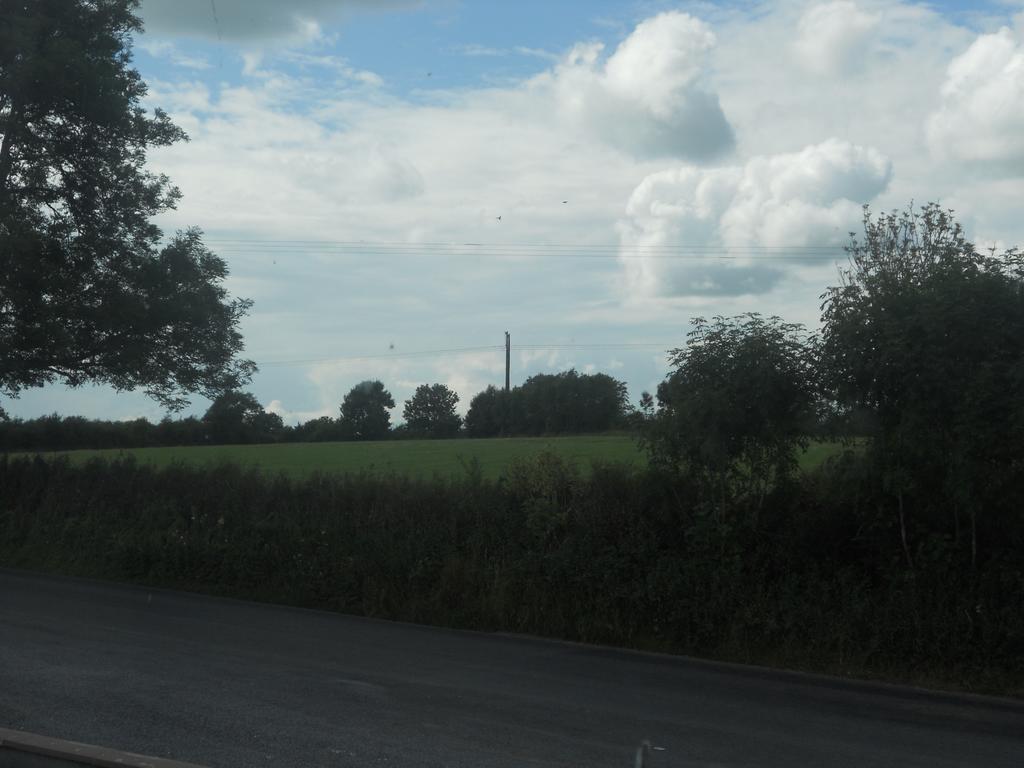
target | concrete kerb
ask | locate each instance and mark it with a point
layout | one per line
(46, 751)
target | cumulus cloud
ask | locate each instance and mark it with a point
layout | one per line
(811, 197)
(981, 115)
(248, 20)
(648, 98)
(834, 38)
(305, 145)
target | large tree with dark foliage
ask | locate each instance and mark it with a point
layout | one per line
(560, 403)
(87, 291)
(491, 413)
(238, 417)
(570, 403)
(927, 334)
(738, 406)
(364, 412)
(318, 430)
(430, 412)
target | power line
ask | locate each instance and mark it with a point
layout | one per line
(447, 244)
(525, 250)
(463, 350)
(386, 356)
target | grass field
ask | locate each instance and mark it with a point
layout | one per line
(418, 458)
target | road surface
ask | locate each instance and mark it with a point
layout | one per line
(235, 684)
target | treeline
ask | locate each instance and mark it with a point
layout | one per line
(56, 432)
(546, 404)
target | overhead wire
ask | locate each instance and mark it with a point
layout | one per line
(240, 246)
(384, 356)
(464, 350)
(510, 250)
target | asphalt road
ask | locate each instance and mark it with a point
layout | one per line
(228, 683)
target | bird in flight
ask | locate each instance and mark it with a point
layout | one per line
(498, 218)
(564, 202)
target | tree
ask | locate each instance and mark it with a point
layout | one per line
(492, 413)
(927, 334)
(736, 409)
(562, 403)
(87, 294)
(187, 431)
(318, 430)
(238, 417)
(430, 412)
(364, 412)
(571, 403)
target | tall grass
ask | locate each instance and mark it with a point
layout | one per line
(619, 555)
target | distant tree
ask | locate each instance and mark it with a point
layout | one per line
(560, 403)
(318, 430)
(491, 413)
(430, 412)
(187, 431)
(735, 410)
(238, 417)
(87, 292)
(364, 412)
(570, 403)
(926, 335)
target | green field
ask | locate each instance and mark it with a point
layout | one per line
(417, 458)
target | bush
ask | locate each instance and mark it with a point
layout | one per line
(619, 556)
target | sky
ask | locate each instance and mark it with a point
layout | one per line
(396, 184)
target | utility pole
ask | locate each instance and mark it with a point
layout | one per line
(508, 357)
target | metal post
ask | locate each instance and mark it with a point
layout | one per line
(508, 357)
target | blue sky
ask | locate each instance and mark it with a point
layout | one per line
(350, 161)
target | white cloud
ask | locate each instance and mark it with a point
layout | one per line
(981, 116)
(305, 147)
(787, 201)
(336, 64)
(165, 49)
(249, 20)
(477, 50)
(648, 98)
(776, 103)
(530, 358)
(298, 417)
(834, 38)
(662, 58)
(537, 53)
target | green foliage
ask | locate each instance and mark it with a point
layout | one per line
(616, 555)
(364, 412)
(568, 402)
(491, 413)
(87, 294)
(736, 409)
(927, 334)
(238, 417)
(550, 404)
(318, 430)
(430, 412)
(408, 458)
